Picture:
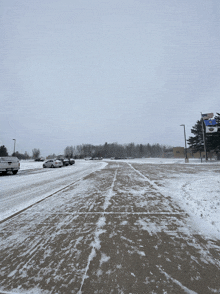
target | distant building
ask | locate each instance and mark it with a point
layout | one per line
(168, 153)
(199, 154)
(178, 152)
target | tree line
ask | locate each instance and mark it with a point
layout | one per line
(116, 150)
(105, 151)
(25, 155)
(195, 143)
(212, 141)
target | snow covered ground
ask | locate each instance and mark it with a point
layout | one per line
(198, 193)
(34, 183)
(121, 226)
(199, 196)
(30, 164)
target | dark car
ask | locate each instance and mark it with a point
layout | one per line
(72, 161)
(65, 161)
(39, 159)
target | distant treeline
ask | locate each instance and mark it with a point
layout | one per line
(118, 150)
(105, 151)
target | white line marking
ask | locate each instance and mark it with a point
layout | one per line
(146, 178)
(115, 212)
(100, 224)
(110, 194)
(188, 291)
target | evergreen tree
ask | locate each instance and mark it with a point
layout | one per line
(196, 142)
(3, 151)
(141, 150)
(20, 155)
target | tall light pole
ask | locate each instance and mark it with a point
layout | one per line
(186, 158)
(14, 144)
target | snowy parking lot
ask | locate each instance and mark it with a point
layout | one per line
(126, 226)
(34, 183)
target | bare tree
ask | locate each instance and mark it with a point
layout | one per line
(68, 151)
(36, 153)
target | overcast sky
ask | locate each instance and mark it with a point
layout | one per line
(94, 71)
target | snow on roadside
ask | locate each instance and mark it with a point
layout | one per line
(199, 196)
(18, 192)
(30, 164)
(198, 193)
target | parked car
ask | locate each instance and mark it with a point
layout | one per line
(65, 161)
(39, 159)
(53, 163)
(9, 164)
(88, 158)
(72, 161)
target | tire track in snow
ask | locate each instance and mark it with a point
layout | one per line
(21, 210)
(100, 224)
(39, 201)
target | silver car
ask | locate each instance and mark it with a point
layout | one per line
(52, 163)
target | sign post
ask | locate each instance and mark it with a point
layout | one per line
(205, 116)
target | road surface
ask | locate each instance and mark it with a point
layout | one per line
(111, 231)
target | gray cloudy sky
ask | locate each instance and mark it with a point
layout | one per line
(96, 71)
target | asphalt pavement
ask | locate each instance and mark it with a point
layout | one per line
(111, 232)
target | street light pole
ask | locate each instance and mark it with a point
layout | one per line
(186, 158)
(14, 145)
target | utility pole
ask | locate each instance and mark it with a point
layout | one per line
(14, 145)
(186, 158)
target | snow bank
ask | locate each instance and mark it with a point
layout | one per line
(30, 164)
(199, 196)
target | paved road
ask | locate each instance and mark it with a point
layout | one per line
(112, 232)
(31, 186)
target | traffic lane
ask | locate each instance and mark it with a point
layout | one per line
(18, 193)
(48, 246)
